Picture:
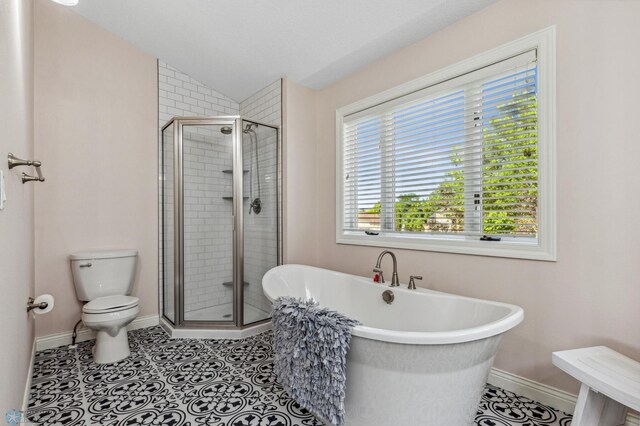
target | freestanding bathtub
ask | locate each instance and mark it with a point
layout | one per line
(422, 360)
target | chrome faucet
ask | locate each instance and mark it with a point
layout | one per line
(394, 278)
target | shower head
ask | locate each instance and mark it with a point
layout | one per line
(226, 130)
(248, 127)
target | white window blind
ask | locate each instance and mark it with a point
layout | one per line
(458, 158)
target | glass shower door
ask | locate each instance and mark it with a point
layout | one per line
(167, 230)
(220, 220)
(260, 215)
(207, 164)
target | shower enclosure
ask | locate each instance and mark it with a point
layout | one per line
(220, 216)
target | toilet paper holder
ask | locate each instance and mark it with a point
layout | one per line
(31, 306)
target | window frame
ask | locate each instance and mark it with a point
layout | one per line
(544, 41)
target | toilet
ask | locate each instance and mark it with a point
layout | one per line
(104, 279)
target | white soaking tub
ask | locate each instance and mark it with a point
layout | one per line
(422, 360)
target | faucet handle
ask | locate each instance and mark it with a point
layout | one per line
(412, 283)
(379, 272)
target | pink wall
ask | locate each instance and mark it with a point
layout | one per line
(299, 153)
(96, 114)
(590, 295)
(16, 220)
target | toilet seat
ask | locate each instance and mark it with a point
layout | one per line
(109, 304)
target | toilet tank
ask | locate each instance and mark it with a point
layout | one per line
(103, 273)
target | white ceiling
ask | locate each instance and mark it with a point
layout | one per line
(239, 46)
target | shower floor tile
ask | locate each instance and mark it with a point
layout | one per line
(202, 382)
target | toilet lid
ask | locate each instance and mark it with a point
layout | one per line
(110, 304)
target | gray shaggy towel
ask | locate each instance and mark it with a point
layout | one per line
(310, 347)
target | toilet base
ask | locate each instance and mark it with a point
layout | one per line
(109, 349)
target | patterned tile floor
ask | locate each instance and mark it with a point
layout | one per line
(201, 382)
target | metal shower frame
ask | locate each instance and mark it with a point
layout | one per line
(236, 122)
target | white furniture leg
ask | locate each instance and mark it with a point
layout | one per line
(596, 409)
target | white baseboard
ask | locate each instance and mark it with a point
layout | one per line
(27, 386)
(61, 339)
(547, 395)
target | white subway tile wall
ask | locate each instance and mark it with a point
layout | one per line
(265, 105)
(207, 215)
(181, 95)
(261, 230)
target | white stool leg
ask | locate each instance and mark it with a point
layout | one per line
(596, 409)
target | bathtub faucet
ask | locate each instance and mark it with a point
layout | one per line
(394, 278)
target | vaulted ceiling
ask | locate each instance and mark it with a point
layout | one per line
(240, 46)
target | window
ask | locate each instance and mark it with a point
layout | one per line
(458, 161)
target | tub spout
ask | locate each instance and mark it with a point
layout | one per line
(395, 282)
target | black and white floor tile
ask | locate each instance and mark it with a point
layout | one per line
(193, 382)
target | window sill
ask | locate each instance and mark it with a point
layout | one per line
(457, 245)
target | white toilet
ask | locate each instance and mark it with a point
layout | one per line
(105, 280)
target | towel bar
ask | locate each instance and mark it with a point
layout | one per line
(17, 162)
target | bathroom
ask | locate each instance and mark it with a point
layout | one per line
(87, 89)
